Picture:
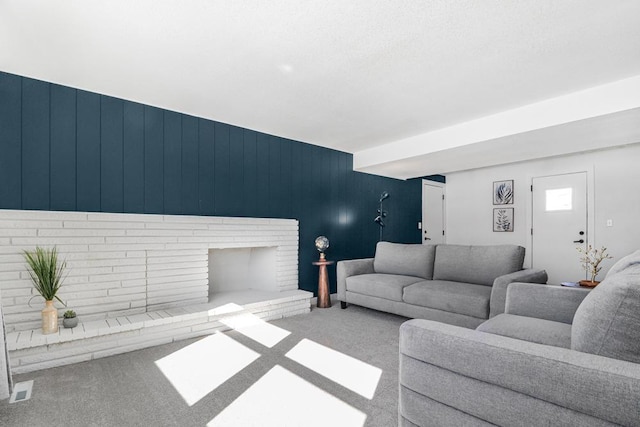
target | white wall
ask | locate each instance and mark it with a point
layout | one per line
(614, 193)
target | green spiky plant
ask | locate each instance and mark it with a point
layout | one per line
(69, 314)
(45, 271)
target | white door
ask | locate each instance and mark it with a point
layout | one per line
(559, 225)
(432, 213)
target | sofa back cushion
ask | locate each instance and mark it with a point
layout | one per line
(476, 264)
(607, 322)
(404, 259)
(624, 263)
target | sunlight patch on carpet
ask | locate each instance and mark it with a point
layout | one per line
(345, 370)
(257, 329)
(199, 368)
(282, 399)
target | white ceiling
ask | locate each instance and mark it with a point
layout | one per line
(392, 82)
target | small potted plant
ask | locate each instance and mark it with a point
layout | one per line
(69, 319)
(591, 260)
(47, 276)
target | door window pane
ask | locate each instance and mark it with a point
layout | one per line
(558, 199)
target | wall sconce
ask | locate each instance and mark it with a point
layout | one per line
(381, 213)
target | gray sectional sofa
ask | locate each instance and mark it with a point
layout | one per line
(456, 284)
(557, 356)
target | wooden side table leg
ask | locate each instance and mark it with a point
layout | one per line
(323, 288)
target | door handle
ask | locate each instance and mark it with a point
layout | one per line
(427, 238)
(579, 241)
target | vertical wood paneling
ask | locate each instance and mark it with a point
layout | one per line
(311, 216)
(346, 211)
(111, 155)
(222, 186)
(135, 158)
(367, 207)
(320, 182)
(309, 196)
(275, 183)
(172, 162)
(309, 167)
(262, 175)
(297, 172)
(88, 152)
(133, 166)
(153, 160)
(356, 216)
(35, 144)
(329, 209)
(333, 182)
(206, 138)
(342, 190)
(10, 141)
(285, 178)
(372, 189)
(236, 169)
(190, 205)
(250, 172)
(63, 148)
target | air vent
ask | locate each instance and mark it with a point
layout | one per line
(21, 392)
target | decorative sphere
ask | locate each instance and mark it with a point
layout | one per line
(322, 243)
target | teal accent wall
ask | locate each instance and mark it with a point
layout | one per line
(71, 150)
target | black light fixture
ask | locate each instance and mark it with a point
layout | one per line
(381, 213)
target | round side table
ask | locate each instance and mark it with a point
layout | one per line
(324, 301)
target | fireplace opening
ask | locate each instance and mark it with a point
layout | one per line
(242, 269)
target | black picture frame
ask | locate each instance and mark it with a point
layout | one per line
(503, 220)
(503, 192)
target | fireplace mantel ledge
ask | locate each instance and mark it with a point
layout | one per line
(30, 350)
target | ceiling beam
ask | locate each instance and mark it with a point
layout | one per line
(515, 135)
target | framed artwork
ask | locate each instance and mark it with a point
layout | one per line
(503, 219)
(503, 192)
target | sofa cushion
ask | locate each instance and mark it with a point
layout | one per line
(455, 297)
(624, 263)
(607, 322)
(387, 286)
(410, 260)
(530, 329)
(476, 264)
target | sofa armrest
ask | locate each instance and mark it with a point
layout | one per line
(555, 303)
(499, 289)
(467, 370)
(349, 268)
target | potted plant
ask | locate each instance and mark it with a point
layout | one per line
(591, 260)
(47, 276)
(69, 319)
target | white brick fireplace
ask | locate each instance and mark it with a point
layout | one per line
(242, 269)
(126, 264)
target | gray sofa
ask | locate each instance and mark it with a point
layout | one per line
(557, 356)
(456, 284)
